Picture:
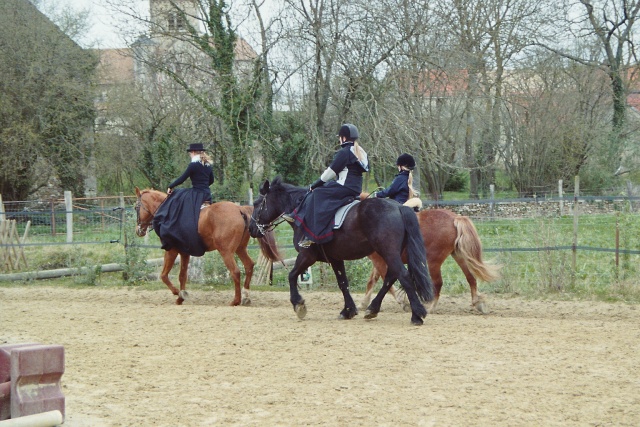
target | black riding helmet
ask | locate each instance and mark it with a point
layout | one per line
(349, 131)
(406, 160)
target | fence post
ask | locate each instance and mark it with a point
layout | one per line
(617, 243)
(492, 189)
(2, 218)
(53, 217)
(68, 204)
(250, 196)
(122, 218)
(574, 250)
(560, 196)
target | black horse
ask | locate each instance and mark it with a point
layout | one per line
(373, 225)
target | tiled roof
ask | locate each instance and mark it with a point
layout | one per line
(116, 66)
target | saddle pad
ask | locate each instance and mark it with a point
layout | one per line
(341, 214)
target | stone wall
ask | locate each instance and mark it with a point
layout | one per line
(526, 209)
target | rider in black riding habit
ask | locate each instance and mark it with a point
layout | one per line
(401, 188)
(176, 221)
(339, 185)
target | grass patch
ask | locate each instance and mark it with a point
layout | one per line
(535, 254)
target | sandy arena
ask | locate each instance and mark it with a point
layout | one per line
(133, 358)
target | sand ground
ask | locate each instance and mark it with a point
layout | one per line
(133, 358)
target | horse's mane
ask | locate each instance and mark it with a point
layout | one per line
(278, 183)
(155, 194)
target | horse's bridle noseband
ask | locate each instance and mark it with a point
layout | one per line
(143, 226)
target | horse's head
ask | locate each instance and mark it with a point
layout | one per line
(146, 206)
(273, 202)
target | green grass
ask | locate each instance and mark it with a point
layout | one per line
(536, 274)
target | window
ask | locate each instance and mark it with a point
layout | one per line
(175, 22)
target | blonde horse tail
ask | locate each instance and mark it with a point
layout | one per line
(269, 247)
(469, 247)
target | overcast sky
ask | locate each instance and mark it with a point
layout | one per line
(105, 23)
(104, 31)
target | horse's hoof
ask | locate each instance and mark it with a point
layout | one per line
(301, 310)
(370, 314)
(246, 301)
(416, 319)
(406, 307)
(184, 295)
(347, 315)
(179, 301)
(482, 307)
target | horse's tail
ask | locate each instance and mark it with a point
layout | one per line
(416, 255)
(269, 247)
(469, 247)
(268, 244)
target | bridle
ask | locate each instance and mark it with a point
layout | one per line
(264, 228)
(143, 226)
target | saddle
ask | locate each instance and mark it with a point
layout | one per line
(341, 214)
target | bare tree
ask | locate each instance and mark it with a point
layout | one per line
(607, 26)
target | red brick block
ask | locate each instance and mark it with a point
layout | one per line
(5, 400)
(36, 372)
(5, 359)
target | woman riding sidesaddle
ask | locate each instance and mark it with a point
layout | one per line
(339, 185)
(176, 221)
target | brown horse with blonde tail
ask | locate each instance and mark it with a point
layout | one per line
(445, 234)
(222, 226)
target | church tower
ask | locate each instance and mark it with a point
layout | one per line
(165, 19)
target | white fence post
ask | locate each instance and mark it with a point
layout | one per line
(560, 196)
(2, 218)
(576, 193)
(68, 204)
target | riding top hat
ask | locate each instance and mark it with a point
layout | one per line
(406, 160)
(349, 131)
(195, 147)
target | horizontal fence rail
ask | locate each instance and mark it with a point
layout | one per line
(511, 229)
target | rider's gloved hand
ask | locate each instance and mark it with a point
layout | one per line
(316, 184)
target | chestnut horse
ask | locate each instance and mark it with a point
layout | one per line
(373, 225)
(222, 226)
(445, 234)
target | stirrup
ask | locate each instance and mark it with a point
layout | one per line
(305, 243)
(287, 217)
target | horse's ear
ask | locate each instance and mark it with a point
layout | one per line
(137, 192)
(264, 188)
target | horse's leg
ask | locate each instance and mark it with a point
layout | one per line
(232, 266)
(436, 277)
(397, 271)
(169, 262)
(418, 310)
(248, 264)
(374, 308)
(477, 300)
(373, 278)
(304, 260)
(182, 277)
(350, 309)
